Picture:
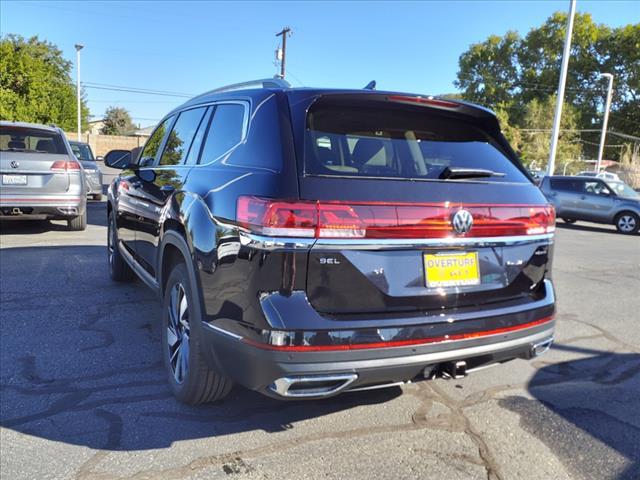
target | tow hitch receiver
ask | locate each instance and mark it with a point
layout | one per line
(454, 370)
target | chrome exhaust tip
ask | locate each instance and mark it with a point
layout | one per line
(540, 348)
(68, 210)
(307, 386)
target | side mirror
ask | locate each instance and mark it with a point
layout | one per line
(119, 159)
(135, 155)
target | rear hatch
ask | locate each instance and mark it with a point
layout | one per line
(420, 204)
(33, 162)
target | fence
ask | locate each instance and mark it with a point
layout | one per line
(101, 144)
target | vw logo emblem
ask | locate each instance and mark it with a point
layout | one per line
(462, 221)
(14, 164)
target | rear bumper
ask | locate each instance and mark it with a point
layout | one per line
(271, 372)
(41, 207)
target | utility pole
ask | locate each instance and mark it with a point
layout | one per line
(563, 80)
(78, 48)
(605, 120)
(285, 31)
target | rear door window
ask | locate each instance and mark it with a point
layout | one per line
(386, 141)
(567, 184)
(30, 140)
(181, 136)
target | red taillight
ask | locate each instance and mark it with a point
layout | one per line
(423, 100)
(65, 165)
(384, 220)
(277, 218)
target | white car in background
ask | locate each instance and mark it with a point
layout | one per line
(603, 175)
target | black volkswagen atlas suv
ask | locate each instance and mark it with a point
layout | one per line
(305, 242)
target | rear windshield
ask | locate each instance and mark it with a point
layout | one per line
(32, 140)
(369, 141)
(82, 151)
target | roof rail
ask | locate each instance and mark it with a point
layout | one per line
(262, 83)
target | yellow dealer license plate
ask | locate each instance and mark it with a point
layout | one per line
(452, 269)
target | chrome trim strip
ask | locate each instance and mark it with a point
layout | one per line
(139, 270)
(264, 242)
(222, 331)
(380, 244)
(376, 387)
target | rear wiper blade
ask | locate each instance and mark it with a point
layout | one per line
(449, 172)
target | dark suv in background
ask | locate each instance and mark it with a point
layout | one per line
(306, 242)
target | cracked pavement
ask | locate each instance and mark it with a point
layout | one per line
(82, 394)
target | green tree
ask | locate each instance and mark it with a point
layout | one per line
(536, 125)
(35, 84)
(509, 72)
(117, 121)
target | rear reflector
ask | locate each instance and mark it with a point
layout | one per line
(385, 220)
(63, 166)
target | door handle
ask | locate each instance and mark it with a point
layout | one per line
(167, 188)
(582, 197)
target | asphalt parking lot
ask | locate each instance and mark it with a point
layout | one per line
(83, 395)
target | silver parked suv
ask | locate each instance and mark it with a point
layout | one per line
(594, 199)
(41, 177)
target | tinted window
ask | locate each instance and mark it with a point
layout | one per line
(181, 136)
(82, 151)
(196, 145)
(567, 184)
(152, 147)
(225, 131)
(384, 141)
(31, 140)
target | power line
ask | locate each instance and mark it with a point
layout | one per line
(145, 91)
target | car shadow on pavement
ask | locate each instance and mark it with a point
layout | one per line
(96, 215)
(81, 363)
(586, 412)
(591, 227)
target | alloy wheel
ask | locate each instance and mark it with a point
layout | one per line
(626, 223)
(178, 333)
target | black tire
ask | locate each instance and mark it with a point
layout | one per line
(628, 223)
(79, 223)
(569, 220)
(191, 380)
(119, 269)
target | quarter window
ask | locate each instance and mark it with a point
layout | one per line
(225, 131)
(181, 136)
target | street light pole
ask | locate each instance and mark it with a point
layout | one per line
(605, 120)
(78, 48)
(563, 80)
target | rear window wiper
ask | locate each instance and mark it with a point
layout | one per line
(454, 172)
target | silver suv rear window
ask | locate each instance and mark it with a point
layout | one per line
(30, 140)
(396, 142)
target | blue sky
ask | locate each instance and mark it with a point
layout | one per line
(191, 47)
